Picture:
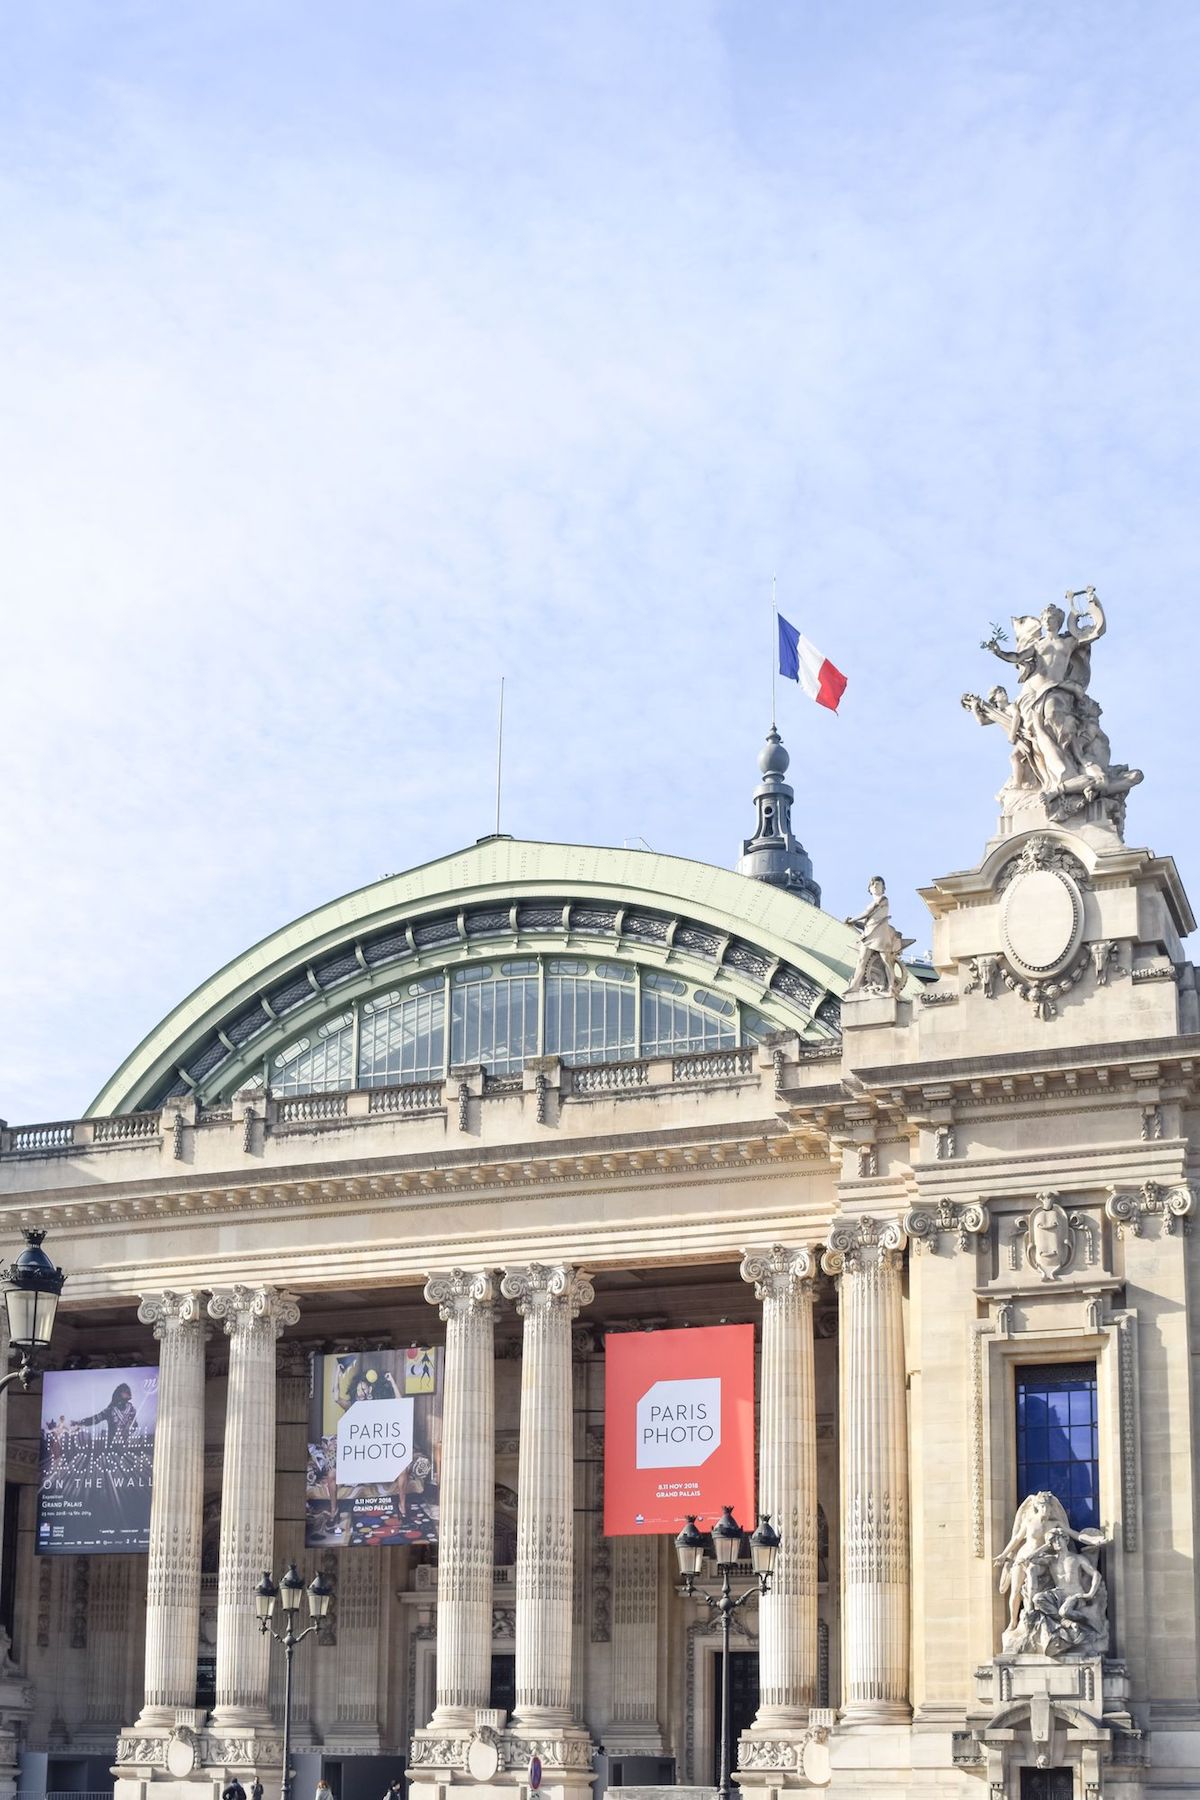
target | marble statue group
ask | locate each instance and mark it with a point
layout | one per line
(1057, 1602)
(1061, 758)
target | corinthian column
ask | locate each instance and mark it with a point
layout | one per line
(865, 1255)
(176, 1506)
(253, 1319)
(548, 1299)
(466, 1302)
(787, 1478)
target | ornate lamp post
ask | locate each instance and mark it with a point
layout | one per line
(726, 1541)
(291, 1586)
(32, 1286)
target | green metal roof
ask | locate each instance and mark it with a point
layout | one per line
(758, 943)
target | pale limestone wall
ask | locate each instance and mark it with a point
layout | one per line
(956, 1107)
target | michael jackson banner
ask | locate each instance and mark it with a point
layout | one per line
(96, 1459)
(374, 1447)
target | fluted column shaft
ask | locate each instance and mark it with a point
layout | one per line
(866, 1256)
(467, 1496)
(548, 1299)
(253, 1320)
(787, 1477)
(176, 1506)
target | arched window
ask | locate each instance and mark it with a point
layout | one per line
(403, 1035)
(590, 1016)
(494, 1016)
(670, 1027)
(319, 1062)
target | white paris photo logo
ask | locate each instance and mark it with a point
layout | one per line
(679, 1423)
(374, 1441)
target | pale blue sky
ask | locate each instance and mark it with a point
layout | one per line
(355, 354)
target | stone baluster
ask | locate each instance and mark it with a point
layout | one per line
(548, 1299)
(865, 1256)
(176, 1506)
(787, 1479)
(253, 1320)
(466, 1302)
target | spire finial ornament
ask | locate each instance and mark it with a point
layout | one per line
(773, 854)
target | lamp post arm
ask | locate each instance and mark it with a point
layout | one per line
(24, 1373)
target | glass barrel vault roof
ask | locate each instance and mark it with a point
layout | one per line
(779, 959)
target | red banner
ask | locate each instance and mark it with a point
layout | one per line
(678, 1428)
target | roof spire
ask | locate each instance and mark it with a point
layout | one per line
(773, 854)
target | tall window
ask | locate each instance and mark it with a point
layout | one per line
(588, 1019)
(403, 1035)
(1057, 1438)
(494, 1016)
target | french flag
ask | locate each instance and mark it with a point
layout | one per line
(800, 660)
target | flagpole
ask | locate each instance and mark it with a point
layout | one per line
(499, 753)
(774, 642)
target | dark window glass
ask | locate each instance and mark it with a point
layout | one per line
(1058, 1438)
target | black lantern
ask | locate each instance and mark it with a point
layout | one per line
(32, 1286)
(763, 1544)
(291, 1590)
(320, 1596)
(265, 1596)
(727, 1538)
(689, 1548)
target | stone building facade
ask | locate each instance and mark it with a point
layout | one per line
(530, 1095)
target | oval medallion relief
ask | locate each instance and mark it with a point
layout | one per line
(1041, 922)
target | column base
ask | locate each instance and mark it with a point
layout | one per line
(862, 1714)
(187, 1760)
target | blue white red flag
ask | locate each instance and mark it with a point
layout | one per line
(800, 660)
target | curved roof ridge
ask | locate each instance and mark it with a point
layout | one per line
(789, 930)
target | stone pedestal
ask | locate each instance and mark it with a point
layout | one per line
(864, 1256)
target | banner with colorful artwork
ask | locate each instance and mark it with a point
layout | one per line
(678, 1428)
(97, 1457)
(374, 1447)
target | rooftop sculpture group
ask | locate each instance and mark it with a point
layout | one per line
(1060, 752)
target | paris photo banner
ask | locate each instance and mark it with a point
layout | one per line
(374, 1447)
(97, 1455)
(678, 1428)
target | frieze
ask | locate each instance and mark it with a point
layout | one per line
(965, 1219)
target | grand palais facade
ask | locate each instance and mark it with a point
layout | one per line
(513, 1104)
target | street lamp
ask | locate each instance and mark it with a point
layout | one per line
(726, 1541)
(290, 1588)
(32, 1286)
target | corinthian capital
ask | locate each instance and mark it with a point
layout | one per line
(458, 1293)
(776, 1270)
(537, 1287)
(862, 1243)
(253, 1309)
(170, 1311)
